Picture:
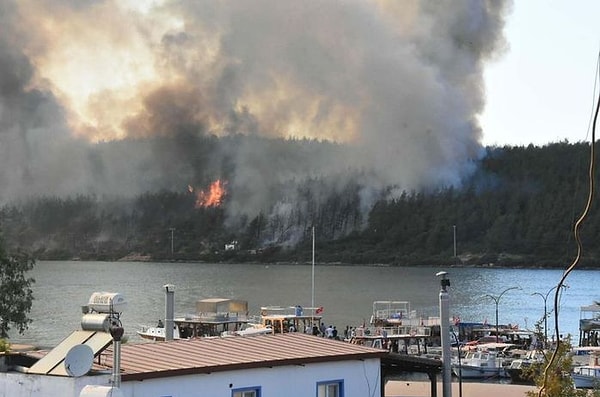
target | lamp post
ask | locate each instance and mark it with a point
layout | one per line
(496, 300)
(545, 298)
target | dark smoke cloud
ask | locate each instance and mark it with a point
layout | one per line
(398, 84)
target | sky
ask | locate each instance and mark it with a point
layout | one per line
(541, 90)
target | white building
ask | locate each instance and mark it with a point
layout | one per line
(291, 365)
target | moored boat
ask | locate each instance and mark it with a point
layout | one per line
(520, 371)
(249, 329)
(213, 317)
(157, 333)
(482, 363)
(588, 376)
(282, 319)
(395, 327)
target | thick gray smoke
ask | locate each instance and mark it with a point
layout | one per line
(398, 83)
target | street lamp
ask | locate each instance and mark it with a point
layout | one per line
(496, 300)
(545, 298)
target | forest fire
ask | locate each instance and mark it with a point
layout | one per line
(213, 197)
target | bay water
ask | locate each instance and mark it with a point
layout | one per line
(346, 293)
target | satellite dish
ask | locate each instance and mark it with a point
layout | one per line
(79, 360)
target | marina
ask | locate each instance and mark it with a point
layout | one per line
(344, 300)
(400, 327)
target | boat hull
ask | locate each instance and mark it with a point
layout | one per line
(518, 376)
(585, 382)
(586, 377)
(478, 372)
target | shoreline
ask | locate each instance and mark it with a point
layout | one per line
(399, 388)
(333, 264)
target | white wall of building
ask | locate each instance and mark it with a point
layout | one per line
(15, 384)
(361, 378)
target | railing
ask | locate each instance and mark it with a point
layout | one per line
(214, 317)
(404, 331)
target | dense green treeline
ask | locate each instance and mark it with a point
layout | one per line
(517, 207)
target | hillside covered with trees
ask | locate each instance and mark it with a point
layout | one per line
(517, 207)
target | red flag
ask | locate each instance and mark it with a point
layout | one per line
(319, 310)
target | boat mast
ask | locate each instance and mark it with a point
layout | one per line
(312, 302)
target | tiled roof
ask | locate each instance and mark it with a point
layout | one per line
(205, 355)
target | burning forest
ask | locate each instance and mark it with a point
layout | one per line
(260, 117)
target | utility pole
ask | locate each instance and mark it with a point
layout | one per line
(172, 229)
(454, 229)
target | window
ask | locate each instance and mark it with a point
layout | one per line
(246, 392)
(333, 388)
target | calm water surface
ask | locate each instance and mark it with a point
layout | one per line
(346, 292)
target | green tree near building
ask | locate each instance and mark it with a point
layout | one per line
(16, 296)
(553, 376)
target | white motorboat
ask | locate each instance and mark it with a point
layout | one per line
(157, 333)
(249, 329)
(588, 376)
(481, 363)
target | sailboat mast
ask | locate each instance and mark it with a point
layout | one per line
(312, 302)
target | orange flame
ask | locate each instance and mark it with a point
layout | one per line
(213, 197)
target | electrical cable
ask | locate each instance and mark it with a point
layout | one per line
(576, 231)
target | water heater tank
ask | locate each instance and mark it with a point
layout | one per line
(96, 322)
(107, 302)
(100, 391)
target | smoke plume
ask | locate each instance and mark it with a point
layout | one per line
(102, 96)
